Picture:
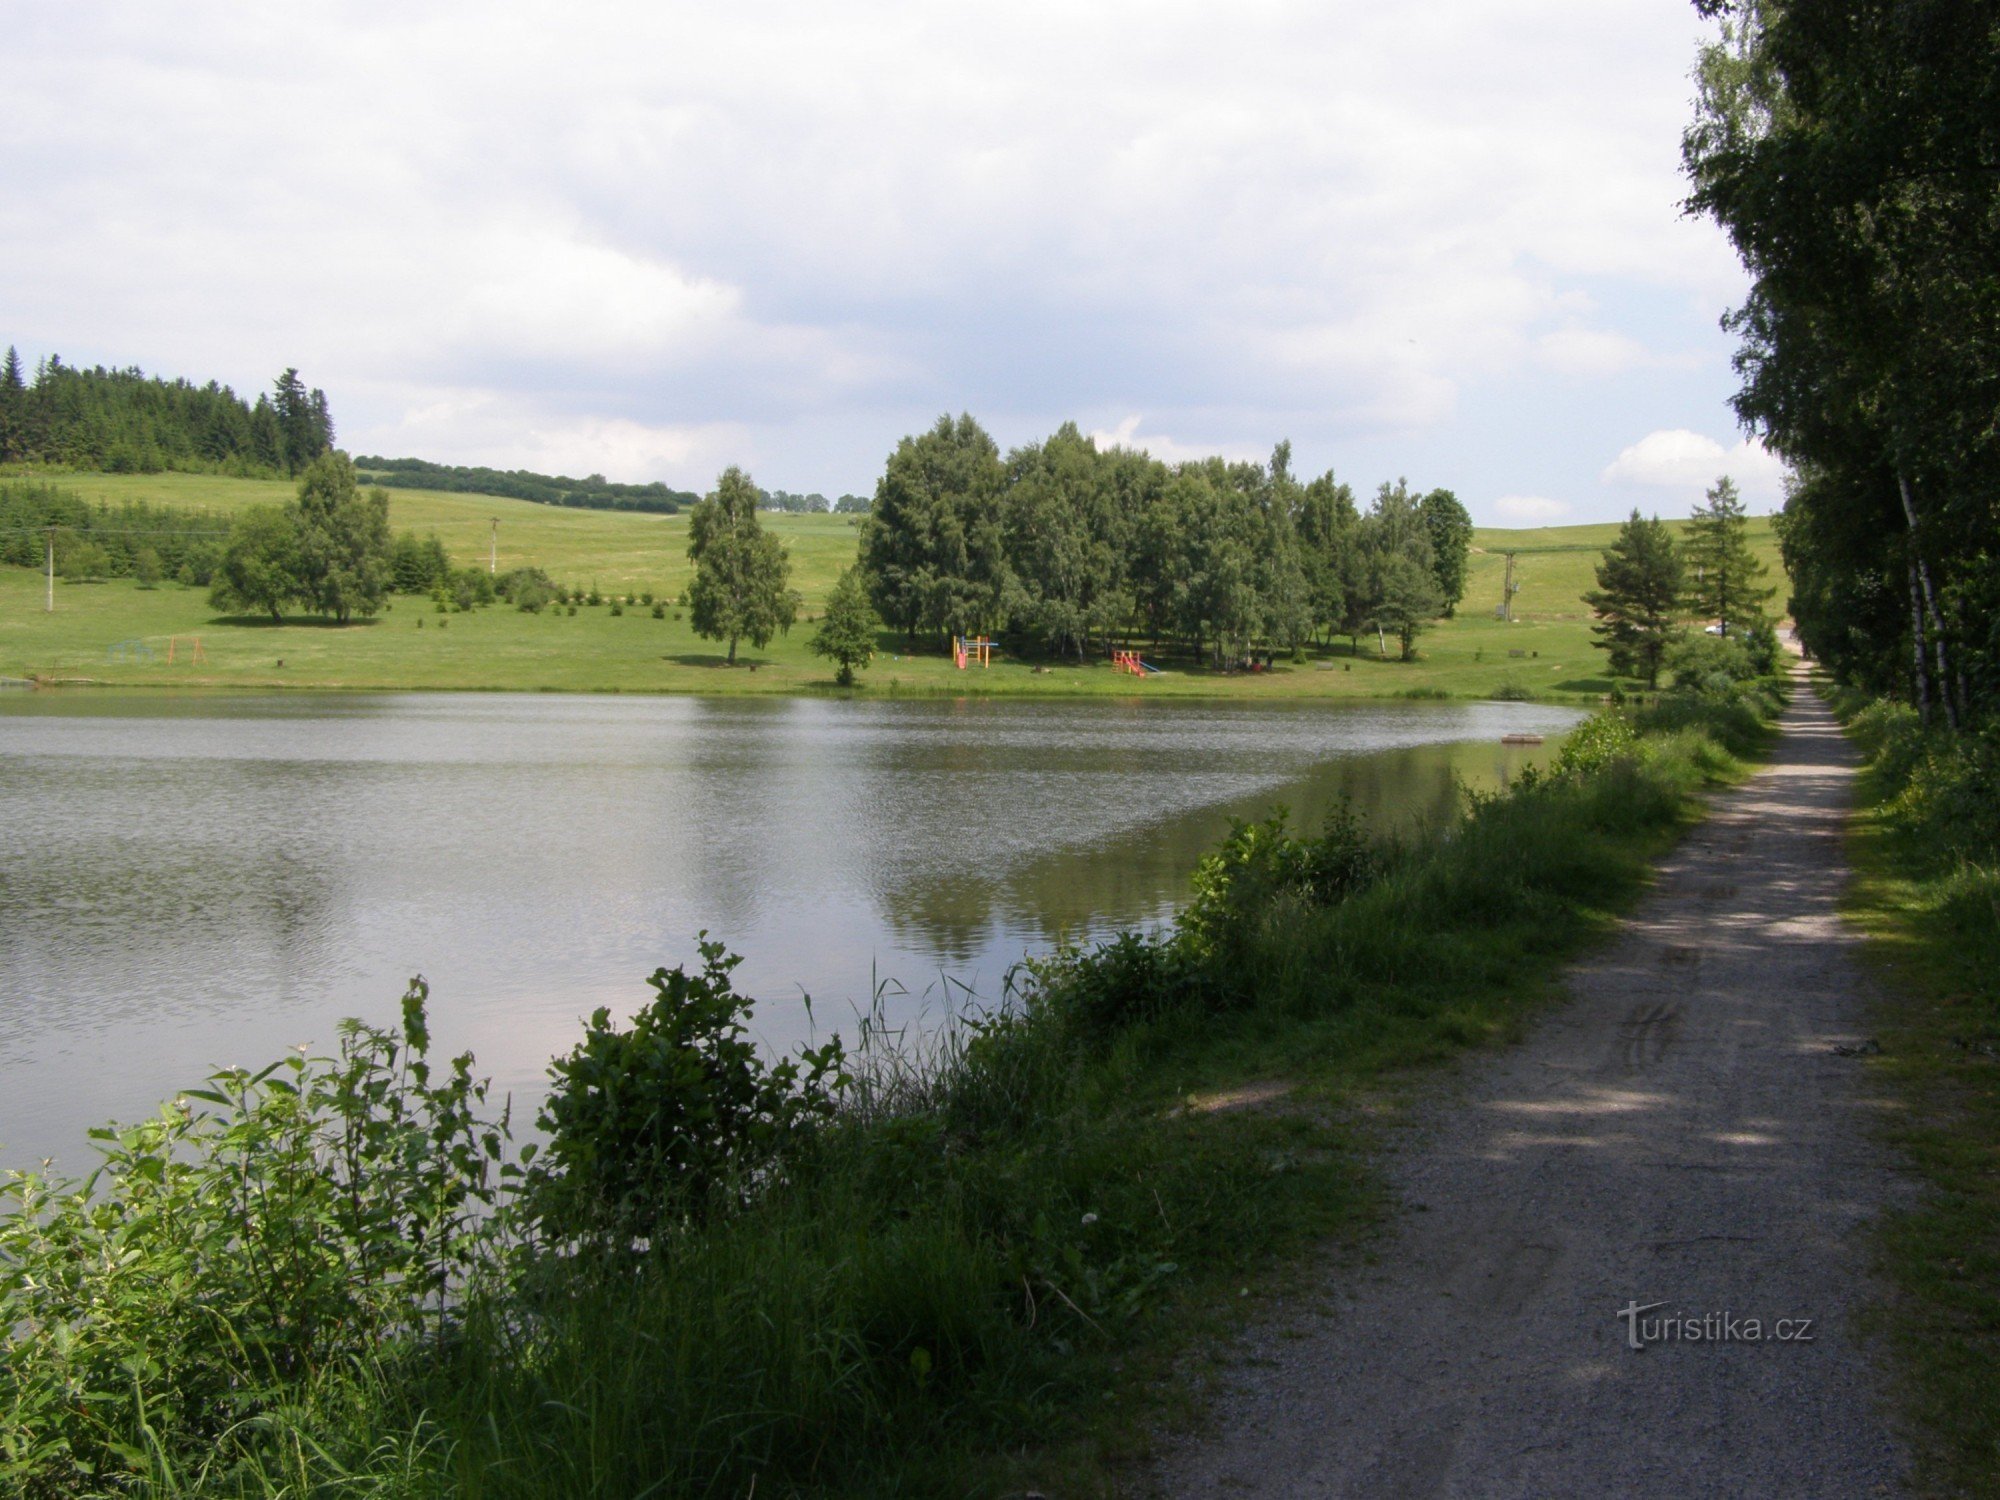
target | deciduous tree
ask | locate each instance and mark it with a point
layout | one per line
(741, 586)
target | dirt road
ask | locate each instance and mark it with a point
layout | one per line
(1687, 1137)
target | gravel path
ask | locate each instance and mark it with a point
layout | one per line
(1687, 1132)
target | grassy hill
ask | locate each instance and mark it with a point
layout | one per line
(119, 633)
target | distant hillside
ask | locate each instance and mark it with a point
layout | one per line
(592, 493)
(127, 422)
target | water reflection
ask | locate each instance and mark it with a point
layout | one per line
(193, 881)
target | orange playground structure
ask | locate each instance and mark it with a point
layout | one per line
(965, 650)
(1128, 661)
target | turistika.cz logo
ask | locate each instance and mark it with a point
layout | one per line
(1708, 1328)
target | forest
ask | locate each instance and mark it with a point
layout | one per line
(594, 492)
(127, 422)
(1073, 549)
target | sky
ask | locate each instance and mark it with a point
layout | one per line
(1441, 242)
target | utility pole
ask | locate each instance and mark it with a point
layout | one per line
(50, 607)
(1507, 592)
(493, 557)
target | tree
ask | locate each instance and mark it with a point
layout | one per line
(259, 566)
(931, 542)
(1328, 527)
(1450, 528)
(146, 568)
(13, 404)
(846, 635)
(1640, 584)
(1848, 148)
(1063, 546)
(304, 426)
(740, 589)
(1727, 578)
(1398, 582)
(343, 549)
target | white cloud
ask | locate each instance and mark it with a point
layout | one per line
(510, 432)
(1166, 449)
(1357, 224)
(1689, 462)
(1531, 510)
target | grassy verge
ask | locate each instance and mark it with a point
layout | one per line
(117, 633)
(1932, 915)
(985, 1275)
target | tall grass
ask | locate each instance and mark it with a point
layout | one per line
(1926, 847)
(976, 1272)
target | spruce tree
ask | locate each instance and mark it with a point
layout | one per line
(1638, 597)
(1726, 582)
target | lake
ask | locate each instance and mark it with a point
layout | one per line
(192, 881)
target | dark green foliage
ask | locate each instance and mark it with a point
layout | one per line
(931, 544)
(259, 568)
(1725, 581)
(675, 1118)
(529, 590)
(342, 561)
(593, 493)
(418, 565)
(1450, 527)
(179, 539)
(1848, 148)
(1080, 552)
(846, 637)
(741, 586)
(1640, 584)
(327, 551)
(123, 421)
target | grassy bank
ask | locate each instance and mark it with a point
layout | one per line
(1925, 843)
(117, 633)
(983, 1273)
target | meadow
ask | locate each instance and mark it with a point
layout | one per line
(117, 633)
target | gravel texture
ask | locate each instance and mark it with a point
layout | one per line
(1691, 1130)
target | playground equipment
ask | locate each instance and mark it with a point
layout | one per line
(967, 649)
(189, 646)
(132, 650)
(1128, 661)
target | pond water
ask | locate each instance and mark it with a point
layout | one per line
(193, 881)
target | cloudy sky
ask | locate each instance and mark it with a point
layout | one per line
(1438, 240)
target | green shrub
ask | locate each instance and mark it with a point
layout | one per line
(1595, 743)
(661, 1124)
(1259, 870)
(254, 1235)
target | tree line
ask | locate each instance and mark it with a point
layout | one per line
(133, 539)
(125, 421)
(1851, 149)
(593, 492)
(1073, 549)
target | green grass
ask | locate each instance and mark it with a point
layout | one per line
(1545, 653)
(1933, 931)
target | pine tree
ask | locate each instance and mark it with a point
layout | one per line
(1727, 582)
(1638, 597)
